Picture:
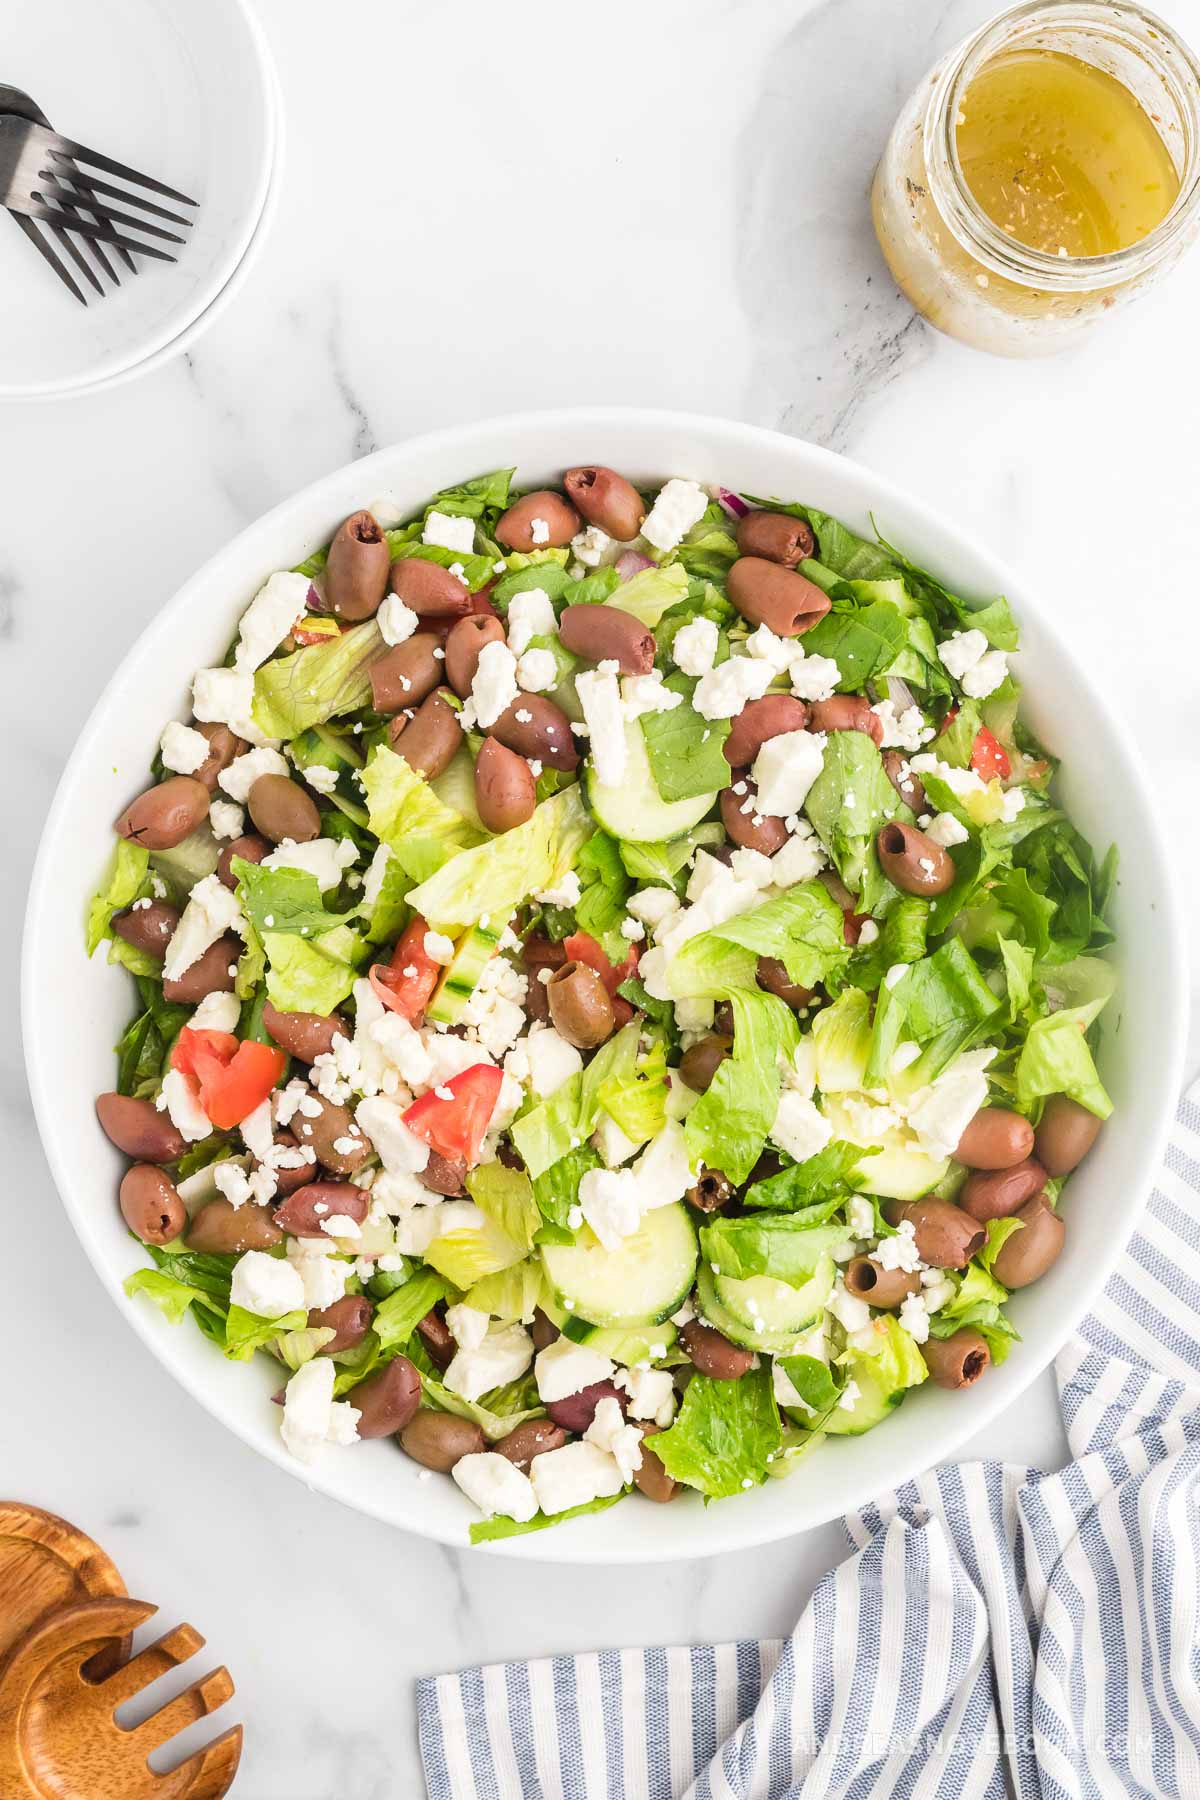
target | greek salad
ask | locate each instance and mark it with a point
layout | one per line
(616, 993)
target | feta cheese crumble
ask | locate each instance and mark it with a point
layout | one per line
(182, 748)
(679, 506)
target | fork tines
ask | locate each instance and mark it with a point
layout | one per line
(77, 153)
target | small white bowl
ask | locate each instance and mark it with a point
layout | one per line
(198, 110)
(73, 1010)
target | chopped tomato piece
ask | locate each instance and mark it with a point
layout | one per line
(232, 1078)
(481, 603)
(453, 1118)
(582, 947)
(989, 757)
(405, 984)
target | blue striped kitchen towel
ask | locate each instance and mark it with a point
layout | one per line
(996, 1631)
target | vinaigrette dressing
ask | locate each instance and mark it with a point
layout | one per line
(1045, 172)
(1061, 156)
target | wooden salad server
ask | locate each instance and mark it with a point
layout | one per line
(65, 1629)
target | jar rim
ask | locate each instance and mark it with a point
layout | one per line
(1159, 47)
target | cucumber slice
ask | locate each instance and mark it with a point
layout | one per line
(783, 1309)
(780, 1343)
(635, 811)
(474, 950)
(904, 1173)
(622, 1346)
(640, 1284)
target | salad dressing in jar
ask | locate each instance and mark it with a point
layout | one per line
(1045, 170)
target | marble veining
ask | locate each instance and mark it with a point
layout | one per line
(480, 216)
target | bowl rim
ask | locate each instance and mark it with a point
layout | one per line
(370, 473)
(227, 278)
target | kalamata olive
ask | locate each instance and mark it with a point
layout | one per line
(348, 1318)
(466, 639)
(777, 536)
(435, 1335)
(765, 593)
(538, 952)
(531, 1439)
(304, 1034)
(652, 1479)
(995, 1139)
(908, 786)
(996, 1193)
(250, 848)
(138, 1128)
(287, 1180)
(220, 1229)
(281, 808)
(713, 1354)
(758, 722)
(429, 740)
(576, 1411)
(710, 1192)
(580, 1005)
(444, 1174)
(606, 634)
(606, 499)
(537, 1003)
(835, 887)
(1065, 1134)
(544, 1330)
(749, 829)
(946, 1237)
(701, 1060)
(223, 746)
(332, 1133)
(388, 1400)
(772, 976)
(913, 862)
(438, 1440)
(150, 1205)
(533, 726)
(505, 789)
(956, 1362)
(868, 1280)
(723, 1021)
(356, 569)
(541, 521)
(306, 1212)
(429, 589)
(408, 673)
(164, 815)
(1028, 1253)
(213, 973)
(847, 712)
(149, 928)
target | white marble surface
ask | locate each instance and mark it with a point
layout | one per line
(484, 210)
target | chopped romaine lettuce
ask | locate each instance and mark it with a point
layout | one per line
(724, 1434)
(317, 683)
(728, 1126)
(492, 880)
(120, 888)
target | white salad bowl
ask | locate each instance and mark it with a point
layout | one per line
(74, 1010)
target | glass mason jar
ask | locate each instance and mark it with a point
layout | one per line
(966, 275)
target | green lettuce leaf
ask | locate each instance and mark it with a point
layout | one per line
(491, 880)
(316, 683)
(942, 1003)
(506, 1196)
(728, 1126)
(648, 594)
(556, 1189)
(397, 1317)
(979, 1304)
(802, 927)
(724, 1434)
(490, 1531)
(863, 641)
(172, 1297)
(686, 752)
(606, 887)
(637, 1100)
(816, 1188)
(404, 813)
(303, 976)
(775, 1244)
(813, 1380)
(277, 900)
(847, 803)
(901, 940)
(662, 862)
(1055, 1059)
(245, 1332)
(120, 887)
(509, 1295)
